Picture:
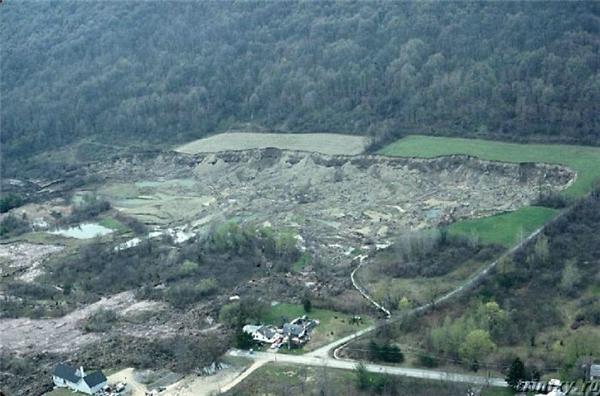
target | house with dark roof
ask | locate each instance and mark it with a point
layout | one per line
(65, 376)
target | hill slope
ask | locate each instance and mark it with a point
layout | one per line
(168, 72)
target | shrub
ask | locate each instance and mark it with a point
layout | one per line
(427, 361)
(12, 225)
(100, 321)
(184, 294)
(9, 202)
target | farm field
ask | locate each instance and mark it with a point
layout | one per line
(325, 143)
(584, 160)
(505, 228)
(333, 325)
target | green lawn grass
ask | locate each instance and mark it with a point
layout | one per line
(311, 380)
(504, 229)
(113, 224)
(333, 325)
(493, 391)
(584, 160)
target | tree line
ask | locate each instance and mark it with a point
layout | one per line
(154, 73)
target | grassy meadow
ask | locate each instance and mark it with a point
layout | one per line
(311, 380)
(506, 228)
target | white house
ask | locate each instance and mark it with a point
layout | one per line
(264, 334)
(65, 376)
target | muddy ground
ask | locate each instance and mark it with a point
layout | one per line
(49, 335)
(23, 260)
(333, 203)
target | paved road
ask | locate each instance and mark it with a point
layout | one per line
(261, 358)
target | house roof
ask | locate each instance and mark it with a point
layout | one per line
(95, 378)
(595, 370)
(292, 329)
(250, 329)
(267, 332)
(66, 372)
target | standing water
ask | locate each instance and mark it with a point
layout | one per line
(83, 231)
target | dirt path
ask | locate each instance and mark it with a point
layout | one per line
(204, 386)
(258, 363)
(126, 376)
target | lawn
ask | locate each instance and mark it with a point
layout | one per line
(584, 160)
(506, 228)
(333, 325)
(310, 380)
(113, 224)
(326, 143)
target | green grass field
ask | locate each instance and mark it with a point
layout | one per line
(584, 160)
(505, 228)
(274, 379)
(113, 224)
(333, 325)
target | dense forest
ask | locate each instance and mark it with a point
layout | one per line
(149, 73)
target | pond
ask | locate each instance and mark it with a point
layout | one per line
(83, 231)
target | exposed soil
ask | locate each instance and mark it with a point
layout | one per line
(24, 259)
(65, 334)
(335, 203)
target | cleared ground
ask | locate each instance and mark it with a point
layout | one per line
(584, 160)
(24, 259)
(24, 335)
(325, 143)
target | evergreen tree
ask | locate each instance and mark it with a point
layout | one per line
(516, 373)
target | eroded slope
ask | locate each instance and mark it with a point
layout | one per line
(337, 202)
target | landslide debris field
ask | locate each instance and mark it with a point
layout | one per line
(334, 203)
(337, 206)
(50, 335)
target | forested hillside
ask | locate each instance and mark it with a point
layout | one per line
(166, 72)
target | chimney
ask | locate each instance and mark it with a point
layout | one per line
(81, 371)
